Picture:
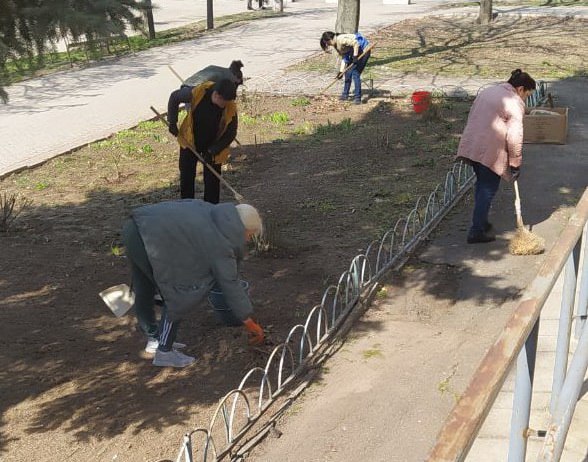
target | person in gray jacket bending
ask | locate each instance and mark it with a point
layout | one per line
(180, 249)
(216, 74)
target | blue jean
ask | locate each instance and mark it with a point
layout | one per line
(355, 74)
(487, 183)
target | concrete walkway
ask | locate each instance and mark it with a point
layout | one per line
(51, 115)
(386, 393)
(69, 109)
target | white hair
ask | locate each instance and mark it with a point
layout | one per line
(250, 218)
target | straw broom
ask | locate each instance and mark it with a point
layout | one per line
(524, 241)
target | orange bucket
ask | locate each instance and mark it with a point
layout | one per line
(420, 101)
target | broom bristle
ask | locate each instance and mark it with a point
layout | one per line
(525, 242)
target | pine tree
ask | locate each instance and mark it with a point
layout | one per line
(27, 27)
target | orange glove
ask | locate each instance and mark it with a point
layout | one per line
(255, 332)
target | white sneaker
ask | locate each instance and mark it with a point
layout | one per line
(172, 358)
(153, 343)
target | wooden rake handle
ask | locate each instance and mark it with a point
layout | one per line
(238, 197)
(366, 50)
(518, 205)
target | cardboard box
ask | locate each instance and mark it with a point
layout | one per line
(546, 128)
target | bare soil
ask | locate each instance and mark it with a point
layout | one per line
(75, 384)
(328, 178)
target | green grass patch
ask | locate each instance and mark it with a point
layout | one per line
(277, 118)
(301, 101)
(345, 126)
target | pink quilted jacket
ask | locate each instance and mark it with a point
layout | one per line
(493, 135)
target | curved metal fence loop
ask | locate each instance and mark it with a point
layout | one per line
(186, 453)
(369, 251)
(331, 289)
(305, 336)
(321, 320)
(360, 266)
(346, 283)
(433, 206)
(449, 189)
(264, 379)
(380, 262)
(228, 416)
(284, 347)
(399, 223)
(413, 224)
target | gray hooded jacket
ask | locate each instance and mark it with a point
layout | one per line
(190, 245)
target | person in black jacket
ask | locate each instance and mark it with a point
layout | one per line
(208, 129)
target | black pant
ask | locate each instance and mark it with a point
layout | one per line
(188, 162)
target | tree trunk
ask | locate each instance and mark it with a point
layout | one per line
(347, 17)
(149, 18)
(209, 15)
(485, 16)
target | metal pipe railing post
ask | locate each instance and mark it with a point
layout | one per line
(564, 332)
(582, 301)
(566, 404)
(521, 407)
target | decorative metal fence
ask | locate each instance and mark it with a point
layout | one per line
(518, 340)
(306, 344)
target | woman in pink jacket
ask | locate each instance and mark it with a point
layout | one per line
(492, 143)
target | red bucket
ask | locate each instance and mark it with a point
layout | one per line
(421, 101)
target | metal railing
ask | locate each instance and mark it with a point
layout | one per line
(307, 344)
(568, 258)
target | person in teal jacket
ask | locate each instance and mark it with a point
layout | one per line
(180, 250)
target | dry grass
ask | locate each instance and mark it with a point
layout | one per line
(546, 47)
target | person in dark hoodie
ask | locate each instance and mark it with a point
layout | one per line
(208, 129)
(181, 249)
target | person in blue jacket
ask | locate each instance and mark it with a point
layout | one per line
(350, 47)
(180, 250)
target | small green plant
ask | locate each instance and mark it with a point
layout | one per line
(102, 144)
(300, 101)
(147, 149)
(125, 134)
(116, 250)
(411, 138)
(304, 129)
(149, 125)
(247, 119)
(11, 206)
(344, 126)
(41, 185)
(382, 293)
(278, 118)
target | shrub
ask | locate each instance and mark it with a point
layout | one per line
(11, 206)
